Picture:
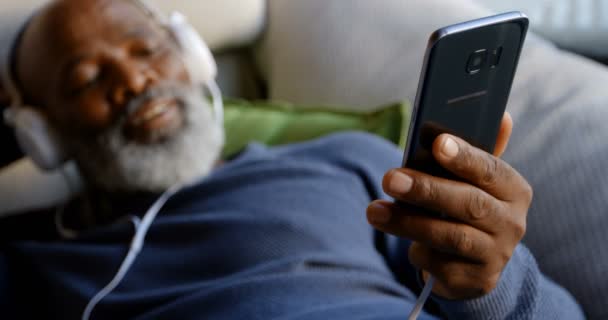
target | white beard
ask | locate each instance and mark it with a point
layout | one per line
(115, 164)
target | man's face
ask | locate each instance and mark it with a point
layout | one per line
(112, 82)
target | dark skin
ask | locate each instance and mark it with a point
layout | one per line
(80, 62)
(96, 55)
(486, 215)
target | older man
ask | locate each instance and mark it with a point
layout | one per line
(274, 232)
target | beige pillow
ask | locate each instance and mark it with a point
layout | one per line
(581, 26)
(224, 23)
(356, 53)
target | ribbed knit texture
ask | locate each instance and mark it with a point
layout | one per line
(520, 276)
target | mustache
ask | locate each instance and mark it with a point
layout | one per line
(180, 93)
(114, 163)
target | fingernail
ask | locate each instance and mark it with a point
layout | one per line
(449, 148)
(401, 183)
(379, 214)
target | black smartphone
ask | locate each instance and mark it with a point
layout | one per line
(464, 86)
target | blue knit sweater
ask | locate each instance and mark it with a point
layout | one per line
(276, 233)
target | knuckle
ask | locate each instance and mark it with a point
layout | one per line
(519, 229)
(516, 224)
(491, 174)
(426, 190)
(528, 193)
(462, 242)
(478, 207)
(466, 159)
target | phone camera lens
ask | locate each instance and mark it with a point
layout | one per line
(476, 61)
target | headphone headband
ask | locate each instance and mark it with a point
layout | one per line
(151, 10)
(7, 69)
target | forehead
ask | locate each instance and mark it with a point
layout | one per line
(68, 29)
(72, 23)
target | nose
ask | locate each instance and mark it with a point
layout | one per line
(130, 80)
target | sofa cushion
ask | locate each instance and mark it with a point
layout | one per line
(357, 54)
(223, 24)
(278, 123)
(581, 26)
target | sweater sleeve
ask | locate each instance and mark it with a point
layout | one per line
(522, 293)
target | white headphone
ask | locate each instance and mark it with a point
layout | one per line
(35, 136)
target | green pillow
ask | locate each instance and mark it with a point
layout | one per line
(276, 123)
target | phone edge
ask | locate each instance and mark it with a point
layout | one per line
(450, 30)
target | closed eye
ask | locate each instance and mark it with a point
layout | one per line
(83, 76)
(143, 49)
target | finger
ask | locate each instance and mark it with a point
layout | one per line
(504, 134)
(380, 212)
(456, 278)
(445, 236)
(454, 199)
(478, 167)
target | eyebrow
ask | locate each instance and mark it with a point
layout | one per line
(137, 33)
(144, 32)
(79, 58)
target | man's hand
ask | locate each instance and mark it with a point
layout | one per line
(484, 217)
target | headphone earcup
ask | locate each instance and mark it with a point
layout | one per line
(37, 139)
(198, 57)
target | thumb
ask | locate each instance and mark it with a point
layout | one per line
(504, 134)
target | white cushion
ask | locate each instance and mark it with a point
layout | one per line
(580, 25)
(223, 24)
(357, 53)
(24, 187)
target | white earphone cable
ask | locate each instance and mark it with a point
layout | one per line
(141, 229)
(218, 103)
(424, 295)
